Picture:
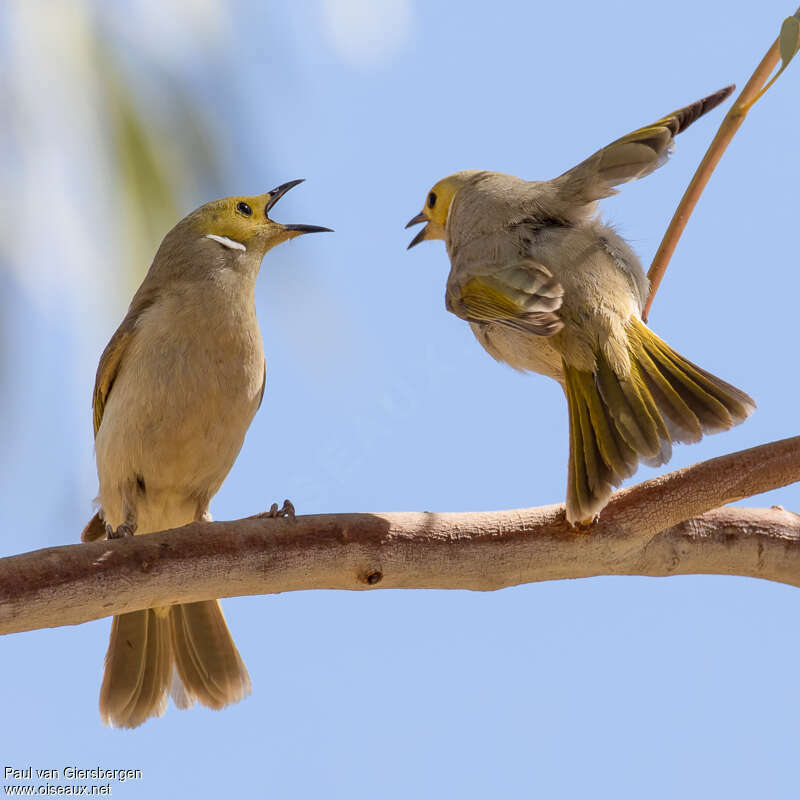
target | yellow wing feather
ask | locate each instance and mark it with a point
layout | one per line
(524, 296)
(485, 303)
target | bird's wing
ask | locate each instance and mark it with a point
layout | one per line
(263, 385)
(633, 156)
(524, 296)
(108, 368)
(112, 357)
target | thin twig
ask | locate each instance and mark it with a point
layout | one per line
(727, 129)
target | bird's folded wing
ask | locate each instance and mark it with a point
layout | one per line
(112, 357)
(524, 296)
(107, 371)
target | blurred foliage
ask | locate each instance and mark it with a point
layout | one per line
(143, 178)
(106, 119)
(152, 177)
(158, 145)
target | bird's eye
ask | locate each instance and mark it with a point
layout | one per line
(431, 199)
(243, 208)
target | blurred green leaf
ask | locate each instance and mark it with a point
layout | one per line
(152, 175)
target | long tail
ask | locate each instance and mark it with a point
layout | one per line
(617, 421)
(185, 649)
(206, 659)
(138, 668)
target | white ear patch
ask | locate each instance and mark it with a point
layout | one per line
(231, 244)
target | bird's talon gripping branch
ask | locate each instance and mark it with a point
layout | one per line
(286, 511)
(123, 531)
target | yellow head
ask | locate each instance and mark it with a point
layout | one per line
(242, 223)
(437, 206)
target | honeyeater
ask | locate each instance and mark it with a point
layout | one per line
(549, 287)
(176, 389)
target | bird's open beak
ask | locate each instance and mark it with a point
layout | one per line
(307, 229)
(416, 220)
(421, 236)
(280, 191)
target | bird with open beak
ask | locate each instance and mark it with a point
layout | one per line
(176, 389)
(547, 286)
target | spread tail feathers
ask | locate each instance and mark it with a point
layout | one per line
(138, 669)
(206, 659)
(147, 647)
(616, 421)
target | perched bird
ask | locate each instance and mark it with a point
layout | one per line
(547, 286)
(176, 389)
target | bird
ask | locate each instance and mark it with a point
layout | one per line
(176, 389)
(547, 286)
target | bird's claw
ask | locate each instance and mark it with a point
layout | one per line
(122, 532)
(286, 511)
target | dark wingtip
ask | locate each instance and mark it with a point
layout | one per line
(713, 100)
(686, 116)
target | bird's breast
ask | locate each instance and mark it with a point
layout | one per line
(184, 397)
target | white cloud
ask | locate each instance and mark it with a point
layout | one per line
(366, 32)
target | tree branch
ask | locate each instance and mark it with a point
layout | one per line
(664, 526)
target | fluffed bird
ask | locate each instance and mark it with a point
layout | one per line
(547, 286)
(176, 389)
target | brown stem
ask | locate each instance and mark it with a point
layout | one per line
(727, 129)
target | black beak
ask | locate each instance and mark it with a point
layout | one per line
(416, 220)
(307, 229)
(420, 237)
(280, 191)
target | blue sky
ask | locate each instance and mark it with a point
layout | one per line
(378, 400)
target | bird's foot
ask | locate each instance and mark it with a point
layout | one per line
(286, 511)
(584, 525)
(122, 532)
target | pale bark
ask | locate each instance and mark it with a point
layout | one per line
(670, 525)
